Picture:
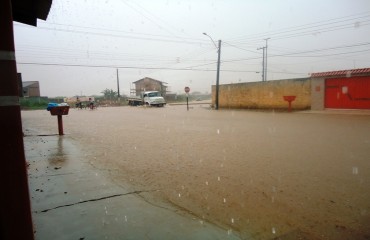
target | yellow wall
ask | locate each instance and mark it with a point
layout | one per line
(265, 95)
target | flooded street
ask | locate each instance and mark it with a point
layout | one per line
(262, 174)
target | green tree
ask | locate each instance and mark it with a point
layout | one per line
(109, 94)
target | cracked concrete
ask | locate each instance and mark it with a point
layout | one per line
(91, 200)
(73, 200)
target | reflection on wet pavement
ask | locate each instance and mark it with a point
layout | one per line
(73, 200)
(57, 157)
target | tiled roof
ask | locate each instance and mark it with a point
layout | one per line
(342, 73)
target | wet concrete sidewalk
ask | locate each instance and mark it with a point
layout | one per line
(73, 200)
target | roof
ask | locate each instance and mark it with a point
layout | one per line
(29, 83)
(150, 91)
(151, 79)
(349, 72)
(28, 11)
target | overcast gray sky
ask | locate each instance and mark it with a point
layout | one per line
(82, 43)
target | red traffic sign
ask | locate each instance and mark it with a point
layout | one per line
(187, 89)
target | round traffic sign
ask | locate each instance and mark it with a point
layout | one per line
(187, 89)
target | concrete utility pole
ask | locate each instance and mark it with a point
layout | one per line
(263, 62)
(218, 68)
(266, 39)
(218, 73)
(118, 86)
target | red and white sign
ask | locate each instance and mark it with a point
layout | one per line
(187, 89)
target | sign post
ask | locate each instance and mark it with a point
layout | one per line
(187, 90)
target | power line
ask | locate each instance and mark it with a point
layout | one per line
(291, 54)
(92, 55)
(150, 68)
(123, 36)
(327, 55)
(133, 8)
(303, 27)
(313, 32)
(137, 4)
(72, 52)
(127, 67)
(232, 45)
(108, 30)
(310, 51)
(329, 49)
(320, 31)
(158, 40)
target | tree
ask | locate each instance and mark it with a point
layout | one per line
(109, 94)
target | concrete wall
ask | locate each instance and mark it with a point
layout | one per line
(32, 90)
(317, 93)
(265, 95)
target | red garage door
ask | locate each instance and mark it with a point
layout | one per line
(348, 93)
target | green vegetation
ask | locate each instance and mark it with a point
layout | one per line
(33, 103)
(109, 94)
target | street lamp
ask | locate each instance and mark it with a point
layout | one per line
(218, 68)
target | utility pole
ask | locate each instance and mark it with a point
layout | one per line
(218, 69)
(263, 62)
(218, 73)
(266, 39)
(118, 86)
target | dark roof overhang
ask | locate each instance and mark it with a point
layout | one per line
(28, 11)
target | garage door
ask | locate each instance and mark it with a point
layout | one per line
(347, 93)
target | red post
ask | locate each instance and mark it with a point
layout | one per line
(60, 124)
(15, 213)
(290, 106)
(289, 99)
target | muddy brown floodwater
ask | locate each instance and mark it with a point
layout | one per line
(264, 174)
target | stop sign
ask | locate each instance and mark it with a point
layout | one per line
(187, 89)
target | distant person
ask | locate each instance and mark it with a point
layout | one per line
(91, 103)
(78, 103)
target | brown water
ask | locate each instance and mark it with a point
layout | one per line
(287, 175)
